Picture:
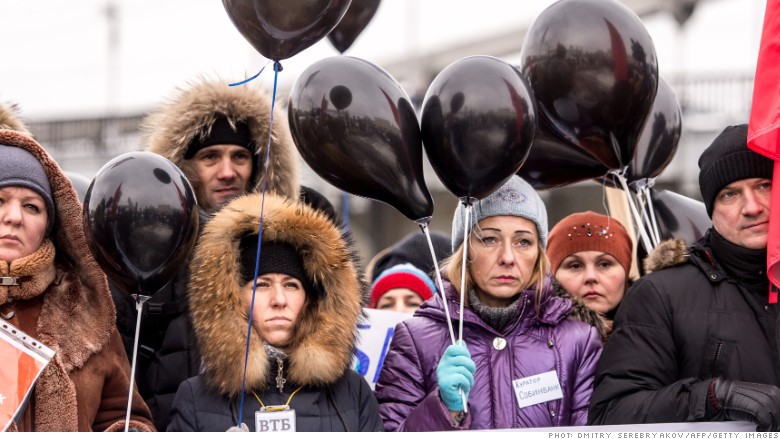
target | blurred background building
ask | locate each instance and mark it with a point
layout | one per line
(85, 75)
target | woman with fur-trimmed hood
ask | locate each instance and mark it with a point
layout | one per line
(304, 322)
(218, 136)
(53, 290)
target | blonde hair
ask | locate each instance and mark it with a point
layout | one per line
(453, 266)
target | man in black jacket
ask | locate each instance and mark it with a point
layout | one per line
(696, 340)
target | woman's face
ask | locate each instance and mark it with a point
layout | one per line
(278, 302)
(595, 277)
(503, 251)
(399, 299)
(23, 219)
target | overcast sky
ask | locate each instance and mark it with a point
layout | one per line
(57, 60)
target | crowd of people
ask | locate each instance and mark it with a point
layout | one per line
(555, 330)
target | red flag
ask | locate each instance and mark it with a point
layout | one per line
(764, 127)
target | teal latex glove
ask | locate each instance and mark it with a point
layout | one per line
(455, 371)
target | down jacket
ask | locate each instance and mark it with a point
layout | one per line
(678, 328)
(168, 352)
(63, 301)
(542, 339)
(331, 396)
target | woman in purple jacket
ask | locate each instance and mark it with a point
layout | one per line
(524, 363)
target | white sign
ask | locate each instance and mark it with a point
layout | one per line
(374, 341)
(281, 421)
(537, 389)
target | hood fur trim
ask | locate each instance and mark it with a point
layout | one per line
(325, 334)
(10, 120)
(666, 254)
(169, 130)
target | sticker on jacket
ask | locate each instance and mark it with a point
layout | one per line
(276, 421)
(537, 389)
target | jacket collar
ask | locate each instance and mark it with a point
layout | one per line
(551, 310)
(672, 253)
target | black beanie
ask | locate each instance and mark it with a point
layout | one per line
(221, 133)
(727, 160)
(413, 249)
(275, 257)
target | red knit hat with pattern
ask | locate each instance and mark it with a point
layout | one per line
(589, 231)
(402, 276)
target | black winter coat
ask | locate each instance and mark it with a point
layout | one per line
(346, 405)
(675, 331)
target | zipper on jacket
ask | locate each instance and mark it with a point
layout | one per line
(716, 358)
(280, 375)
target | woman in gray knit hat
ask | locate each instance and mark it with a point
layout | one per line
(52, 289)
(524, 364)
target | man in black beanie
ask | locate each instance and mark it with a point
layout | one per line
(696, 340)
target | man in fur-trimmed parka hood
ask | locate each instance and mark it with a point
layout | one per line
(210, 113)
(316, 357)
(59, 295)
(697, 338)
(218, 136)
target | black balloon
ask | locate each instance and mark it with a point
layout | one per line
(356, 128)
(141, 221)
(356, 19)
(554, 163)
(660, 136)
(281, 29)
(679, 217)
(593, 69)
(478, 123)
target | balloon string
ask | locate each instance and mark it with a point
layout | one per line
(249, 79)
(632, 207)
(654, 222)
(259, 244)
(643, 215)
(139, 307)
(427, 234)
(466, 231)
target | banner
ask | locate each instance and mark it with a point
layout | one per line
(375, 335)
(764, 126)
(22, 360)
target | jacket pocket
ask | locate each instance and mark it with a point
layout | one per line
(716, 359)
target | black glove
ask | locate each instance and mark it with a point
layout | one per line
(741, 401)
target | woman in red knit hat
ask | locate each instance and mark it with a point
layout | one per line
(590, 255)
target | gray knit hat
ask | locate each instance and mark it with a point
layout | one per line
(515, 198)
(18, 167)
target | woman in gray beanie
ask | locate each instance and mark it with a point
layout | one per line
(524, 364)
(52, 289)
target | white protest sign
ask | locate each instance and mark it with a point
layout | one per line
(374, 341)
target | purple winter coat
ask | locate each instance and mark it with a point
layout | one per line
(407, 389)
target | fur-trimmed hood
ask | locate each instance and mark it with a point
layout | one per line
(9, 119)
(191, 113)
(666, 254)
(325, 334)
